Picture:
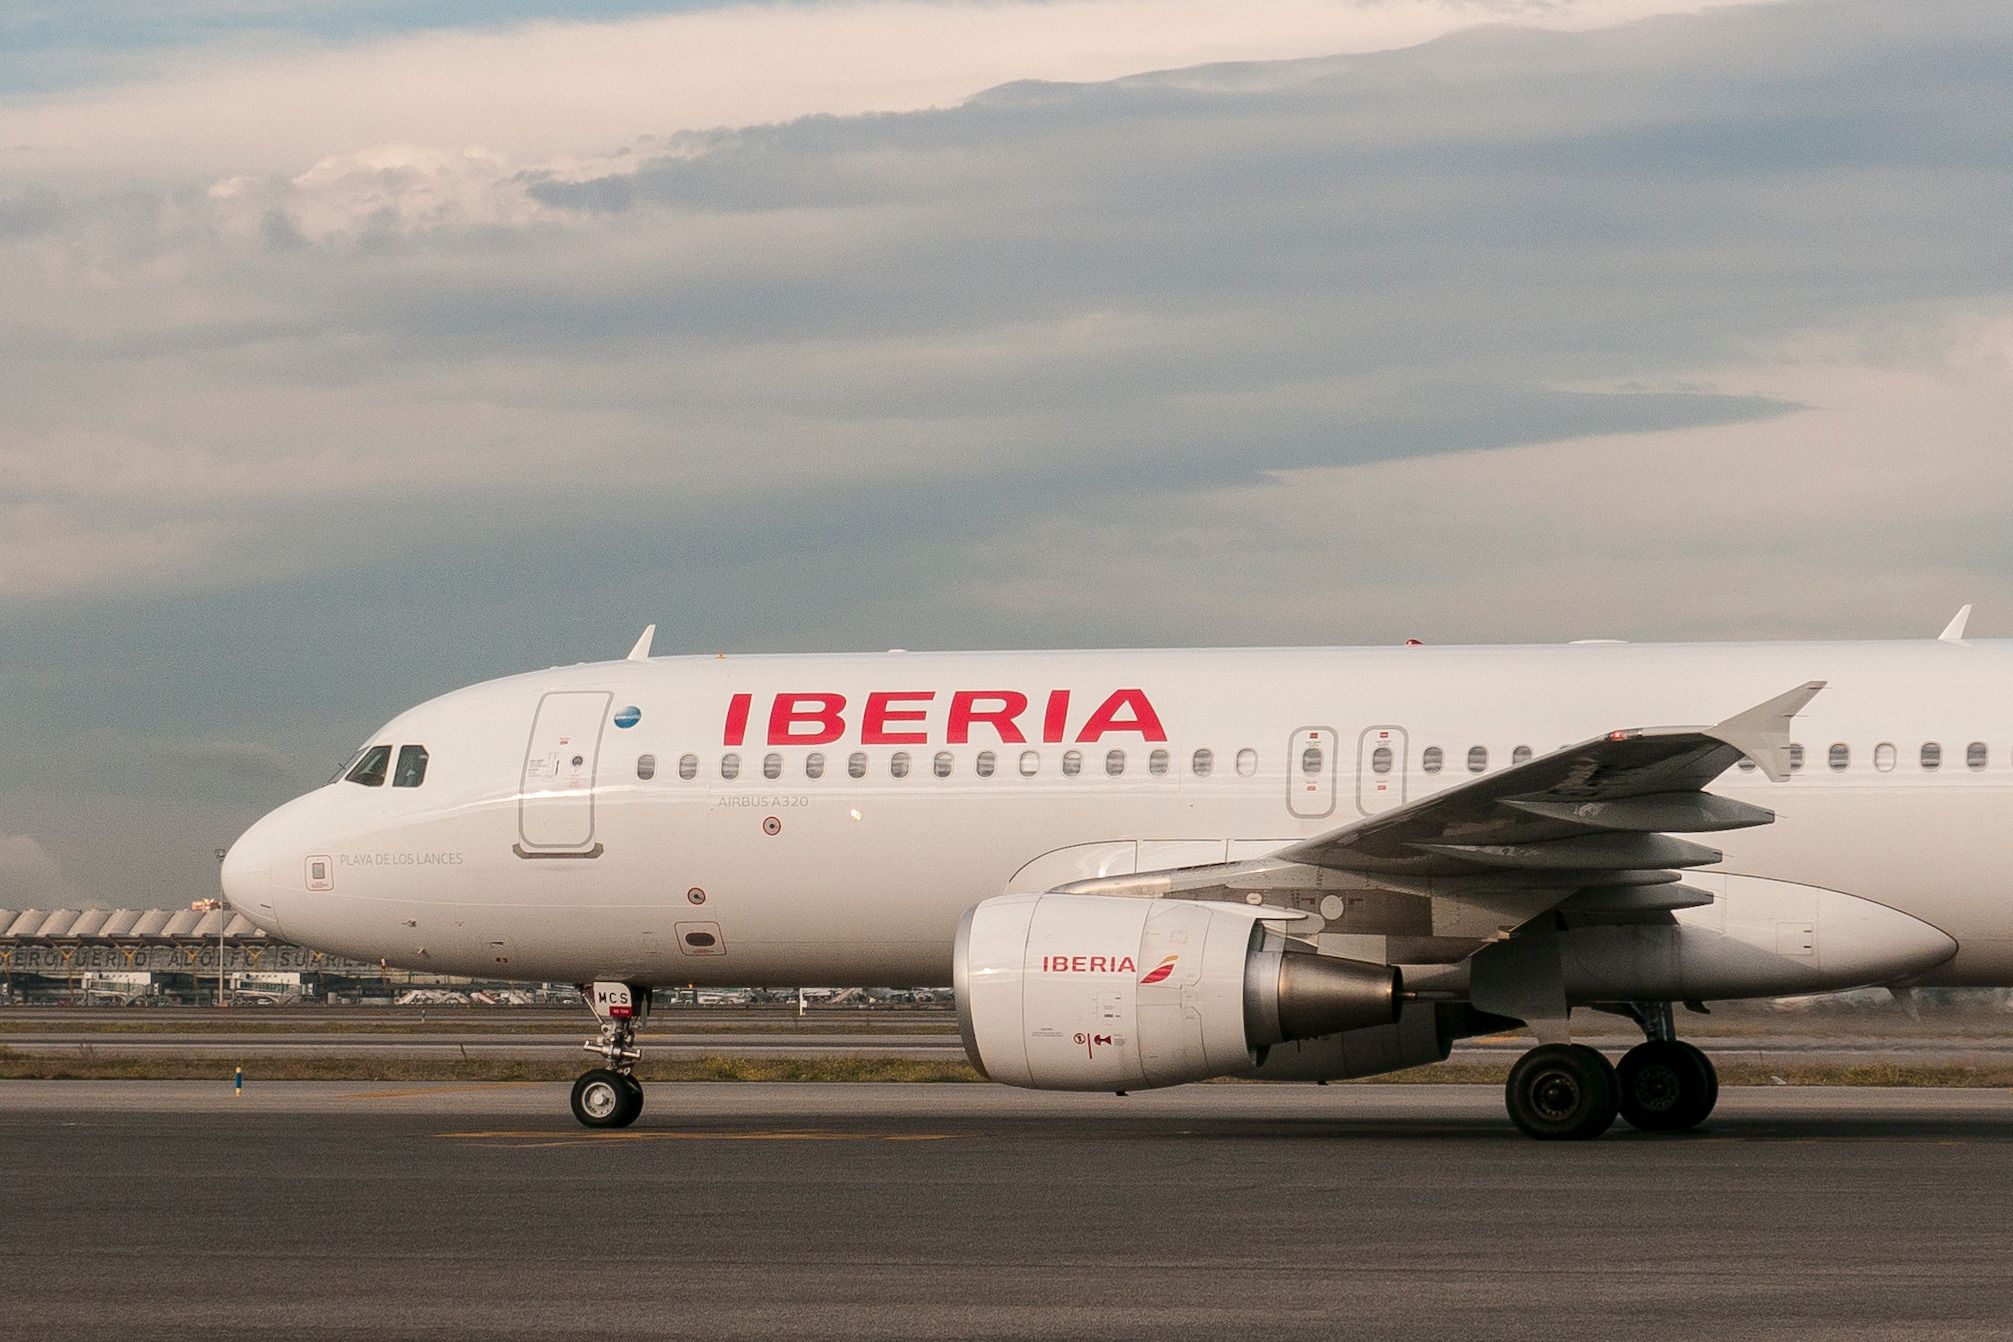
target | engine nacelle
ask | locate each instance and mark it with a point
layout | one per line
(1101, 992)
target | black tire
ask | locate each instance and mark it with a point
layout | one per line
(606, 1099)
(1666, 1086)
(1562, 1093)
(1711, 1077)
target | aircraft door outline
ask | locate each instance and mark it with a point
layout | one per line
(1380, 769)
(1310, 773)
(555, 795)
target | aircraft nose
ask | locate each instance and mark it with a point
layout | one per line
(255, 875)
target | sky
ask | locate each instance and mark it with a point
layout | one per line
(351, 352)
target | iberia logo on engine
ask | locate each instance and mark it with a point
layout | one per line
(1160, 971)
(1088, 964)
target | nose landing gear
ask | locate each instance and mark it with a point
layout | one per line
(610, 1096)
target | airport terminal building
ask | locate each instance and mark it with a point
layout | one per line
(143, 957)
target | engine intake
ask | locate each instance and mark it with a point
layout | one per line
(1100, 992)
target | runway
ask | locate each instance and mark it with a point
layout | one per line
(345, 1210)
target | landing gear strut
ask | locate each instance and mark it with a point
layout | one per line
(1667, 1085)
(609, 1096)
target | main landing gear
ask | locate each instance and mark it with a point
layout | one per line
(610, 1096)
(1569, 1092)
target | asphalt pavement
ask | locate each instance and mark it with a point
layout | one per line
(450, 1211)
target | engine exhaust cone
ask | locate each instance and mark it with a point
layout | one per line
(1300, 995)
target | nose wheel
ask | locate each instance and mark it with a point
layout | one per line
(607, 1099)
(610, 1096)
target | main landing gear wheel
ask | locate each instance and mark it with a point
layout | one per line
(605, 1099)
(1562, 1092)
(1667, 1085)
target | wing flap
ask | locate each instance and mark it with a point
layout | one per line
(1667, 812)
(1620, 850)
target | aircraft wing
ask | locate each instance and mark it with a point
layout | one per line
(1591, 827)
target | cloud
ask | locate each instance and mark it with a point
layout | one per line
(1044, 297)
(390, 189)
(552, 87)
(31, 879)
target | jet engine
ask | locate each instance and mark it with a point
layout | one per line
(1102, 992)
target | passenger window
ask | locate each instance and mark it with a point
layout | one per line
(1072, 763)
(983, 766)
(1381, 760)
(856, 765)
(942, 764)
(1310, 760)
(411, 771)
(1521, 755)
(370, 770)
(1883, 757)
(646, 767)
(898, 764)
(1795, 758)
(1247, 762)
(688, 767)
(1030, 763)
(1114, 762)
(1202, 762)
(1932, 755)
(1841, 755)
(730, 767)
(1156, 763)
(1430, 759)
(1974, 755)
(1478, 759)
(772, 766)
(814, 765)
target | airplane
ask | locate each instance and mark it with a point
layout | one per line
(1144, 868)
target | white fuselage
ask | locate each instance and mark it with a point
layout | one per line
(536, 847)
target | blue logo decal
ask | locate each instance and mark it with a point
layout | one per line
(629, 716)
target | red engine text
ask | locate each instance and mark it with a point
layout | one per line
(1088, 964)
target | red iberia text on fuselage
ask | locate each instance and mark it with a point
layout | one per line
(920, 717)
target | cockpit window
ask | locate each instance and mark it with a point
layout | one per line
(371, 768)
(411, 771)
(349, 764)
